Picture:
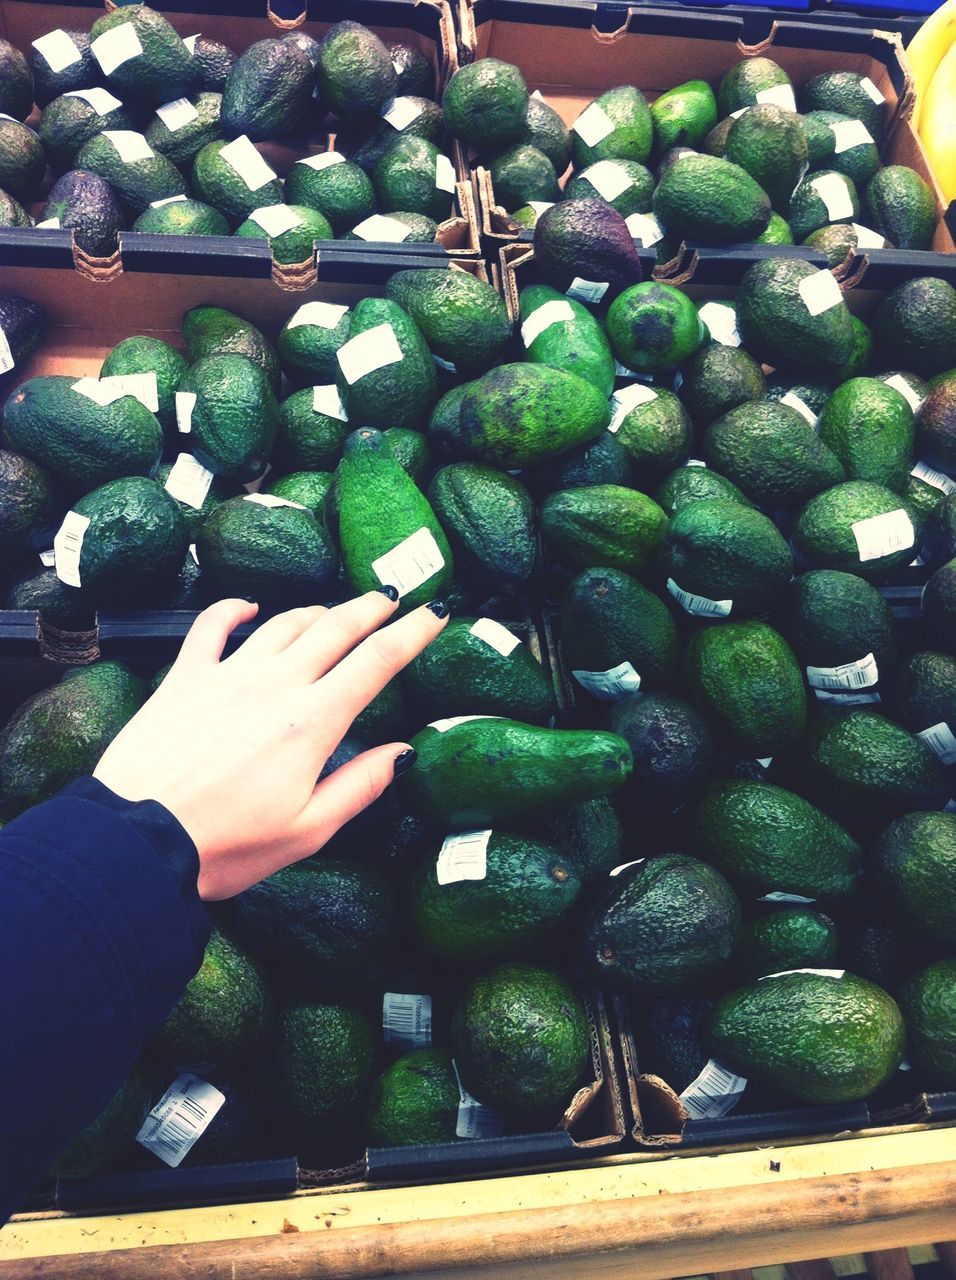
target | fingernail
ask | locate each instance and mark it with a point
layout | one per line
(404, 761)
(389, 592)
(438, 607)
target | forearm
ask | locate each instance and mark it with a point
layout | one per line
(101, 928)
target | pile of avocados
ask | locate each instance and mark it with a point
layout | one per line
(134, 128)
(734, 163)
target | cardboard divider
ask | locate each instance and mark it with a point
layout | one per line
(428, 25)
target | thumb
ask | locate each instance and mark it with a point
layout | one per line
(346, 792)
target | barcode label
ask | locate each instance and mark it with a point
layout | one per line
(582, 290)
(820, 292)
(628, 398)
(593, 125)
(141, 386)
(714, 1093)
(400, 112)
(835, 195)
(845, 699)
(865, 238)
(850, 133)
(327, 400)
(180, 1118)
(7, 361)
(367, 352)
(820, 973)
(58, 50)
(871, 91)
(779, 896)
(275, 219)
(721, 320)
(608, 179)
(778, 95)
(645, 229)
(493, 633)
(177, 114)
(475, 1120)
(939, 738)
(380, 227)
(699, 606)
(442, 726)
(556, 312)
(801, 406)
(188, 481)
(444, 174)
(101, 100)
(883, 535)
(115, 47)
(158, 204)
(849, 675)
(131, 147)
(463, 857)
(912, 397)
(242, 157)
(67, 546)
(185, 403)
(273, 500)
(608, 685)
(929, 475)
(48, 558)
(323, 160)
(325, 315)
(99, 392)
(407, 1019)
(407, 566)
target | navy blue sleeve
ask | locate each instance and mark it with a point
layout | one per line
(101, 928)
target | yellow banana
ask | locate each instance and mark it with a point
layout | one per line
(938, 123)
(927, 49)
(940, 147)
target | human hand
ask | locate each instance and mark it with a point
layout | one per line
(233, 747)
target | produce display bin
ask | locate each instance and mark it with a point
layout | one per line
(426, 24)
(571, 62)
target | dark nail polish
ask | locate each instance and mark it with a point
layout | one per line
(389, 592)
(404, 761)
(438, 607)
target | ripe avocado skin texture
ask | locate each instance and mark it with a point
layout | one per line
(673, 751)
(495, 770)
(215, 182)
(915, 861)
(401, 394)
(213, 331)
(137, 185)
(354, 72)
(603, 525)
(870, 428)
(710, 199)
(823, 533)
(268, 91)
(929, 1005)
(833, 618)
(788, 937)
(489, 519)
(633, 134)
(577, 346)
(589, 834)
(414, 1100)
(822, 1040)
(60, 733)
(164, 71)
(776, 326)
(85, 203)
(235, 416)
(461, 318)
(925, 690)
(915, 326)
(668, 923)
(770, 144)
(486, 104)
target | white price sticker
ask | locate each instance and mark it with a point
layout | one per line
(185, 403)
(444, 174)
(326, 399)
(58, 50)
(645, 229)
(778, 95)
(929, 475)
(635, 862)
(861, 674)
(7, 361)
(475, 1120)
(177, 114)
(493, 633)
(820, 973)
(899, 383)
(871, 91)
(67, 546)
(180, 1118)
(407, 1020)
(401, 112)
(115, 47)
(242, 157)
(131, 147)
(100, 393)
(797, 402)
(188, 481)
(699, 606)
(865, 238)
(409, 565)
(608, 179)
(190, 43)
(463, 857)
(582, 290)
(158, 204)
(48, 558)
(378, 226)
(273, 500)
(276, 219)
(883, 535)
(540, 206)
(48, 224)
(626, 399)
(939, 738)
(820, 292)
(325, 315)
(714, 1093)
(797, 899)
(101, 100)
(765, 761)
(194, 553)
(721, 320)
(593, 125)
(616, 682)
(835, 194)
(322, 161)
(141, 386)
(850, 133)
(442, 726)
(368, 352)
(845, 699)
(556, 312)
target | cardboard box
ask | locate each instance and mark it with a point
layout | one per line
(571, 62)
(426, 24)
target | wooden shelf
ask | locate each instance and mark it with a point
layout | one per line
(625, 1216)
